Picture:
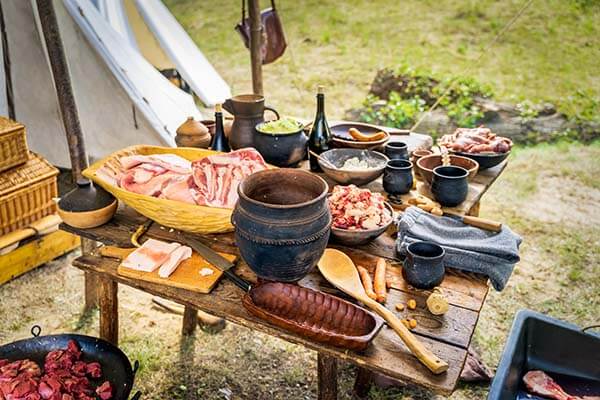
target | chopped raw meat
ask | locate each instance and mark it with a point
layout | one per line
(180, 190)
(150, 256)
(354, 209)
(175, 258)
(538, 382)
(476, 140)
(64, 378)
(104, 391)
(151, 183)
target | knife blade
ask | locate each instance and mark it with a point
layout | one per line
(217, 260)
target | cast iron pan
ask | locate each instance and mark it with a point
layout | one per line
(116, 367)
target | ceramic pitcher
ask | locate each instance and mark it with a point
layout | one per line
(248, 110)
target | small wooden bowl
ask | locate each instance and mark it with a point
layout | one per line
(88, 219)
(425, 165)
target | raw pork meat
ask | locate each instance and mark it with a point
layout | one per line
(210, 181)
(538, 382)
(218, 177)
(175, 258)
(476, 140)
(150, 256)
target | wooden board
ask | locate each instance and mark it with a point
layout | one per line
(36, 252)
(186, 276)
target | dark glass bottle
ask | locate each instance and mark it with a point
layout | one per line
(219, 141)
(319, 140)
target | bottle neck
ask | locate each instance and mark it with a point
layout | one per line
(219, 123)
(320, 104)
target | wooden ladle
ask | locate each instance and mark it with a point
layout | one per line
(340, 271)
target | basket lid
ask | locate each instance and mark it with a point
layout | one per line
(33, 171)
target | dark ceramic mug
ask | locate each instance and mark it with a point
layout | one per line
(449, 185)
(396, 151)
(424, 265)
(397, 177)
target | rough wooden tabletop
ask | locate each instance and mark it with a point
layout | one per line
(447, 336)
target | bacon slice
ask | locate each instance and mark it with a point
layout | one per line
(150, 256)
(175, 258)
(172, 162)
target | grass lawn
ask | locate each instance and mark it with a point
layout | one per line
(551, 52)
(549, 193)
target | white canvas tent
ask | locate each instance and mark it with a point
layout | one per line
(165, 44)
(121, 98)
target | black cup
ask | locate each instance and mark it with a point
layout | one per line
(449, 185)
(424, 265)
(396, 151)
(397, 177)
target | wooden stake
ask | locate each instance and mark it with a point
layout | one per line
(255, 46)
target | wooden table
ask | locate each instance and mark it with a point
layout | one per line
(447, 336)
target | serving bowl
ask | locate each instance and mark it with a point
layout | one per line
(337, 157)
(425, 165)
(357, 237)
(485, 160)
(342, 139)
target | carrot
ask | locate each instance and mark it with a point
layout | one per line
(366, 281)
(379, 280)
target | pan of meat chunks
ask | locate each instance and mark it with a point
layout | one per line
(479, 144)
(64, 367)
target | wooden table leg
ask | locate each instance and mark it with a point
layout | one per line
(362, 384)
(190, 320)
(327, 371)
(109, 310)
(91, 279)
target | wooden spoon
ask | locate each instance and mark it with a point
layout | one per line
(340, 271)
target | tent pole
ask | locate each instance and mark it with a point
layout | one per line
(70, 118)
(64, 90)
(255, 46)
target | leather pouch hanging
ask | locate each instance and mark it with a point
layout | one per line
(273, 39)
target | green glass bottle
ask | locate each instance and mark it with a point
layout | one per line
(320, 136)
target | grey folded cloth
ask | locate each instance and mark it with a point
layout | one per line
(467, 248)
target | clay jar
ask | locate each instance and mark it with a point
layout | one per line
(248, 110)
(424, 265)
(397, 177)
(282, 222)
(450, 186)
(396, 151)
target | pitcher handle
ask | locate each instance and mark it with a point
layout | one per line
(274, 111)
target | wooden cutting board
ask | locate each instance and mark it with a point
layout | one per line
(186, 276)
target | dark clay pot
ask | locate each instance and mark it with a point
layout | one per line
(396, 151)
(282, 150)
(424, 265)
(397, 177)
(282, 223)
(450, 186)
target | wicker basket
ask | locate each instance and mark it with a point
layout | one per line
(13, 144)
(174, 214)
(27, 194)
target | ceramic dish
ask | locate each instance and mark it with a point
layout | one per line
(363, 236)
(485, 160)
(337, 158)
(342, 139)
(425, 165)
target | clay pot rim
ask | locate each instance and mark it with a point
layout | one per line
(436, 172)
(397, 145)
(425, 242)
(408, 164)
(275, 172)
(260, 124)
(420, 162)
(248, 98)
